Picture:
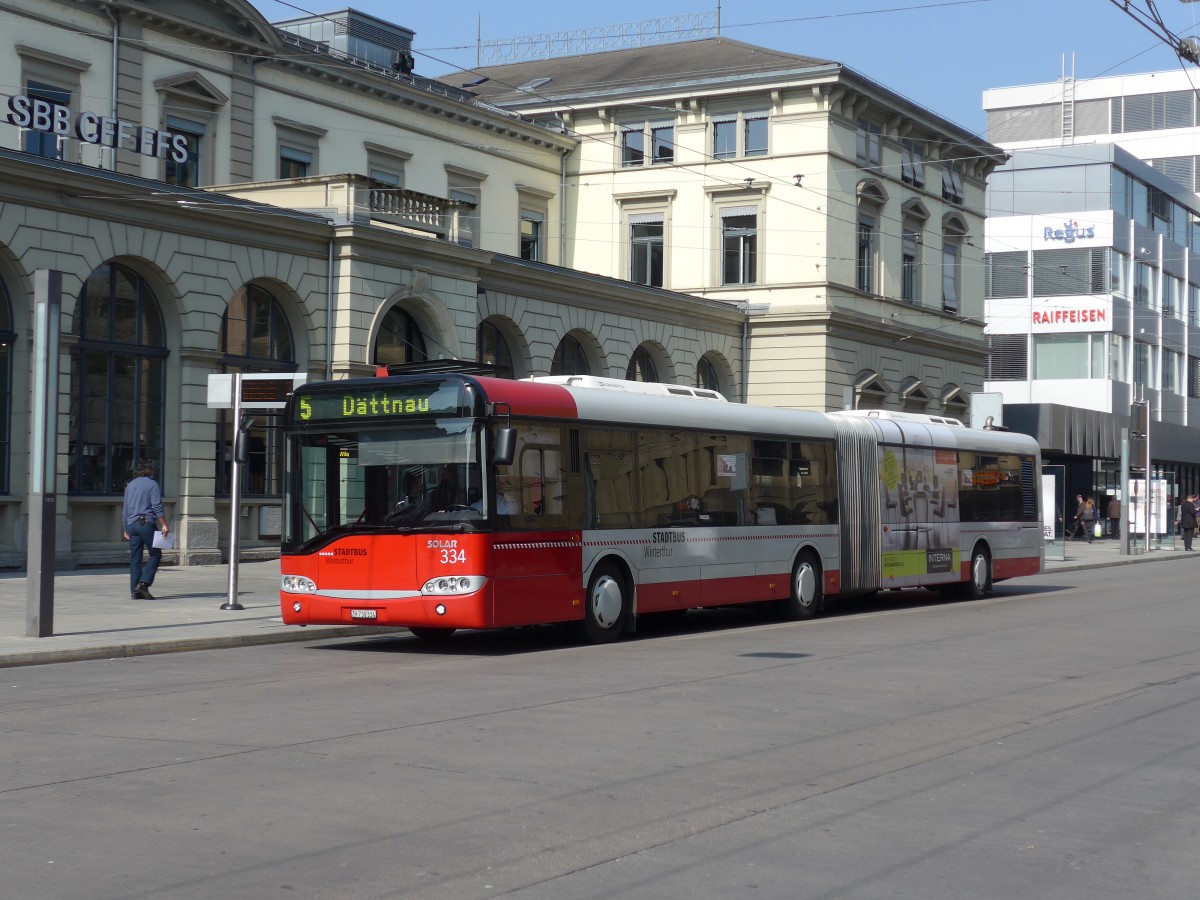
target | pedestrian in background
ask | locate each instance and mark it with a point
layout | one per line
(1114, 517)
(1090, 514)
(143, 510)
(1187, 520)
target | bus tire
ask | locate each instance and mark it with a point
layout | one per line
(606, 606)
(432, 635)
(979, 575)
(807, 598)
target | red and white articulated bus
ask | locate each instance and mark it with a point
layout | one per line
(450, 501)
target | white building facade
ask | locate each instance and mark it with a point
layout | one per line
(848, 218)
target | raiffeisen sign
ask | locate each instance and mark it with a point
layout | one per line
(37, 114)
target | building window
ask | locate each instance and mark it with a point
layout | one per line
(912, 162)
(531, 235)
(724, 138)
(1172, 295)
(1058, 356)
(1118, 352)
(1145, 365)
(866, 254)
(954, 234)
(910, 264)
(1193, 385)
(255, 338)
(118, 375)
(399, 340)
(294, 162)
(1143, 278)
(740, 134)
(569, 358)
(1117, 269)
(45, 143)
(1170, 371)
(1006, 274)
(7, 336)
(467, 192)
(1008, 358)
(706, 375)
(492, 349)
(1193, 294)
(646, 249)
(952, 183)
(739, 245)
(186, 173)
(658, 136)
(641, 367)
(869, 144)
(1074, 272)
(754, 134)
(296, 147)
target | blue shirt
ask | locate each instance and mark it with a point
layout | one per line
(143, 497)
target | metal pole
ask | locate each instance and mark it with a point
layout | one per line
(1149, 479)
(43, 455)
(235, 496)
(1123, 481)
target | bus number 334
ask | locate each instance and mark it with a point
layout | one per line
(448, 552)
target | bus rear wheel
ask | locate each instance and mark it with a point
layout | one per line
(807, 599)
(606, 606)
(979, 580)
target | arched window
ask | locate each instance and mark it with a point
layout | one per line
(871, 200)
(7, 336)
(569, 358)
(399, 340)
(491, 348)
(117, 382)
(255, 337)
(706, 375)
(641, 367)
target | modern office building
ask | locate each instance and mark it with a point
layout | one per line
(1093, 285)
(1092, 274)
(1154, 116)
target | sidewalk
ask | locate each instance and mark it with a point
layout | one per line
(94, 617)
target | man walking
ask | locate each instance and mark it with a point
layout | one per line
(143, 510)
(1114, 517)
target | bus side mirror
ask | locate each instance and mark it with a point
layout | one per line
(506, 446)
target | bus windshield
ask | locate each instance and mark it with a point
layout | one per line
(423, 476)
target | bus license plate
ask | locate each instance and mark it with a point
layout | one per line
(362, 614)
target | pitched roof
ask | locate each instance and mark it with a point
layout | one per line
(617, 72)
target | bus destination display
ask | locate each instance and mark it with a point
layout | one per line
(365, 403)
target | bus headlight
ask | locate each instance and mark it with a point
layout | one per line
(298, 584)
(447, 585)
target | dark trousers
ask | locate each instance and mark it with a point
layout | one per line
(1114, 528)
(142, 536)
(1188, 533)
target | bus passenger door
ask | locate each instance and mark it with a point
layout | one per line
(538, 552)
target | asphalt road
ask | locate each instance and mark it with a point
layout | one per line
(1042, 743)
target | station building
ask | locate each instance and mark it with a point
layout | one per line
(224, 195)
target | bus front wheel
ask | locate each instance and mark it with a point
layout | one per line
(606, 606)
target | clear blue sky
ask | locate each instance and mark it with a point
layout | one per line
(940, 53)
